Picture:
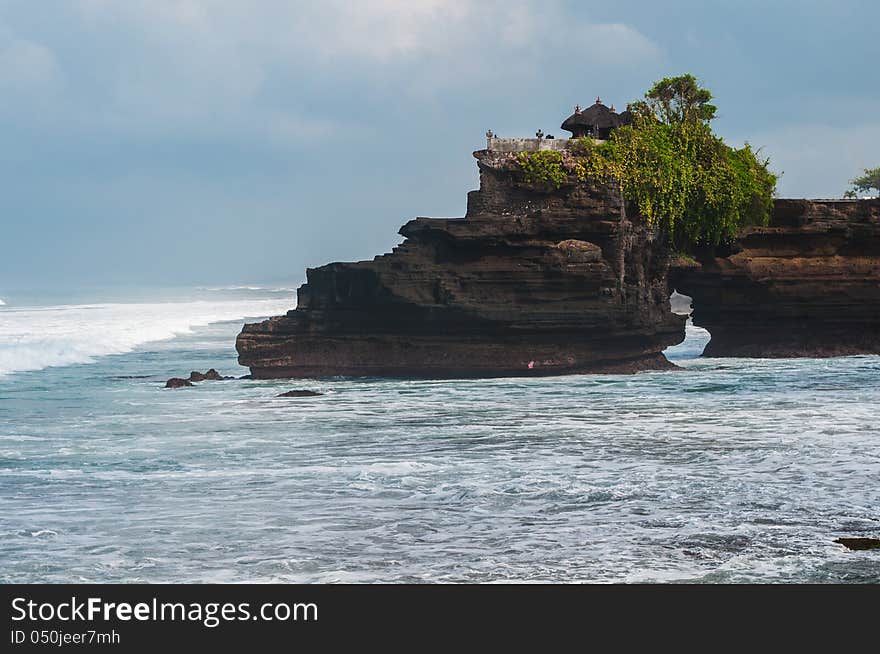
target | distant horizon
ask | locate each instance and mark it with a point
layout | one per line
(130, 292)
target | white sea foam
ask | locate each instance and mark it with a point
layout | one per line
(728, 471)
(40, 337)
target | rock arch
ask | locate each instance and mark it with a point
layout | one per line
(807, 285)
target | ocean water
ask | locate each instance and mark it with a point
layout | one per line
(731, 470)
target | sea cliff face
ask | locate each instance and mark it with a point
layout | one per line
(535, 280)
(806, 285)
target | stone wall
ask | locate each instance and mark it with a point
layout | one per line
(514, 145)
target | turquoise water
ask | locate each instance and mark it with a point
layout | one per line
(732, 470)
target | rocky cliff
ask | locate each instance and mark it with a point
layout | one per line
(535, 280)
(806, 285)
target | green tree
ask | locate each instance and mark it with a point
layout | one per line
(870, 180)
(675, 100)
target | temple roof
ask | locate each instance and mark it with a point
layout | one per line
(597, 116)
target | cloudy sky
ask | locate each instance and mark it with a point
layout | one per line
(225, 141)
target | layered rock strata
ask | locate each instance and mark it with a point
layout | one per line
(806, 285)
(535, 280)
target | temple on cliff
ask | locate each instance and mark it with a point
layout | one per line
(596, 121)
(543, 279)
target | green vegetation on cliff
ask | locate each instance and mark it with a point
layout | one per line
(681, 176)
(544, 167)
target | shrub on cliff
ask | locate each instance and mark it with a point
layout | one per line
(686, 180)
(543, 167)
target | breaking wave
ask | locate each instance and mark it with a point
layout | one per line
(41, 337)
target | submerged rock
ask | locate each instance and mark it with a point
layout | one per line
(300, 394)
(195, 376)
(807, 285)
(860, 543)
(177, 382)
(535, 280)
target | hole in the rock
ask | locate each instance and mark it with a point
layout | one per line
(681, 304)
(695, 339)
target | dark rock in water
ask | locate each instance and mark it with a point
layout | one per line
(860, 543)
(300, 394)
(177, 382)
(214, 375)
(807, 285)
(210, 375)
(534, 281)
(246, 377)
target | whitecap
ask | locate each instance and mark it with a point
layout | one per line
(42, 337)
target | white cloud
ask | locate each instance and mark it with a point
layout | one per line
(379, 30)
(235, 70)
(191, 61)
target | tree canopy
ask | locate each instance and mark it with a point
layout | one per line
(676, 100)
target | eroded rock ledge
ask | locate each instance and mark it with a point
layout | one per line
(807, 285)
(534, 281)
